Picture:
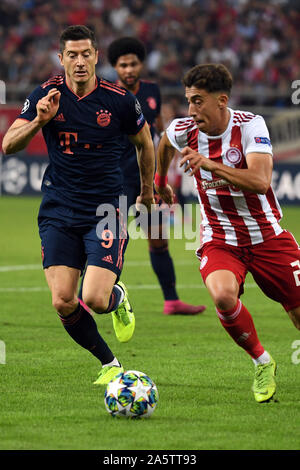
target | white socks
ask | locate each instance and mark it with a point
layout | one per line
(114, 362)
(264, 358)
(121, 291)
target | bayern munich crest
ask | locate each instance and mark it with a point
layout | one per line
(152, 102)
(233, 155)
(104, 118)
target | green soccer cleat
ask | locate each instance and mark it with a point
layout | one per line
(264, 385)
(107, 373)
(123, 318)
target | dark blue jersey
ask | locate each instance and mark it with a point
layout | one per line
(85, 141)
(149, 98)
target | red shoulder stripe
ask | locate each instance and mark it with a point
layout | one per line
(51, 83)
(56, 80)
(112, 85)
(113, 89)
(181, 127)
(242, 117)
(185, 121)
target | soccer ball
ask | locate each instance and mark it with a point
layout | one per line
(131, 394)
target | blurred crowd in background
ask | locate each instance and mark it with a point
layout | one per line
(257, 40)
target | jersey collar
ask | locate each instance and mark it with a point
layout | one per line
(79, 98)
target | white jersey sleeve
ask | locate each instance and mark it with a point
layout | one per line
(255, 136)
(177, 132)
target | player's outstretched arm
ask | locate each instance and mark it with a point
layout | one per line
(146, 160)
(19, 135)
(255, 178)
(165, 154)
(21, 132)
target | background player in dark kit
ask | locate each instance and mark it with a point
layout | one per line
(83, 119)
(127, 55)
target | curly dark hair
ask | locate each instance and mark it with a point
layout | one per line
(75, 33)
(209, 77)
(123, 46)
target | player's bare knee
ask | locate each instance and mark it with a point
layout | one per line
(98, 304)
(63, 304)
(225, 300)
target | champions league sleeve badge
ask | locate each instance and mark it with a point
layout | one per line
(138, 107)
(25, 106)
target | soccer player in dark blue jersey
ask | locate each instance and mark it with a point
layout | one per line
(127, 55)
(84, 120)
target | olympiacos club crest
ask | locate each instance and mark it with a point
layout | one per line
(233, 155)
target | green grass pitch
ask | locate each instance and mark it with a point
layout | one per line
(204, 379)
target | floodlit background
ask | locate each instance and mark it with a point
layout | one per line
(257, 40)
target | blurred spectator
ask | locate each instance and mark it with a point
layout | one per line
(258, 41)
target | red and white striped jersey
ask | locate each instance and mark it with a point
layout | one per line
(237, 217)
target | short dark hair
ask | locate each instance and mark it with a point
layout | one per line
(209, 77)
(75, 33)
(123, 46)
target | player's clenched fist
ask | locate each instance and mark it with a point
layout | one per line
(166, 193)
(144, 202)
(47, 106)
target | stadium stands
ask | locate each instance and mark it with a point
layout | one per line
(257, 40)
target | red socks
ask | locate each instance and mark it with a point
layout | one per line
(239, 324)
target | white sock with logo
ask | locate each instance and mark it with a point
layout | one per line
(264, 358)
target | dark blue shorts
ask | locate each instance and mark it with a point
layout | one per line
(79, 246)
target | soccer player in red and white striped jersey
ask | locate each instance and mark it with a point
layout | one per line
(229, 155)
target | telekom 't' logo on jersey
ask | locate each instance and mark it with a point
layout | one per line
(66, 139)
(69, 140)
